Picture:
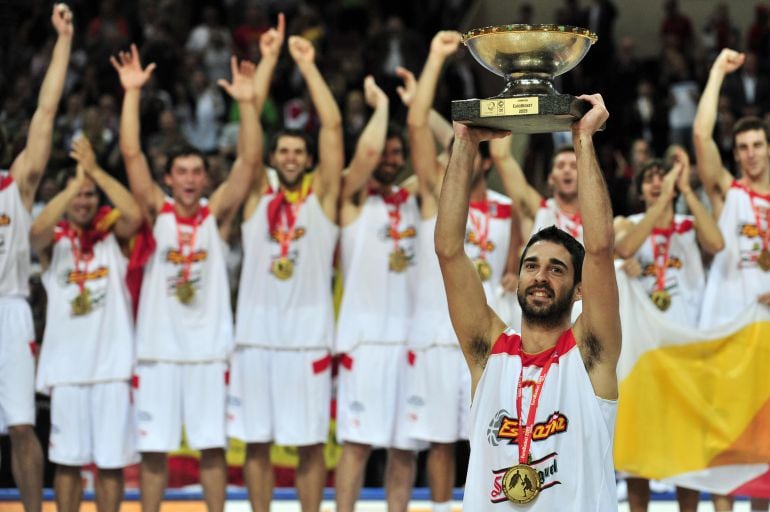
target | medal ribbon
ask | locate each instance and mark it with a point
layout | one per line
(79, 256)
(529, 426)
(481, 226)
(576, 221)
(288, 220)
(197, 219)
(393, 203)
(763, 235)
(283, 211)
(661, 253)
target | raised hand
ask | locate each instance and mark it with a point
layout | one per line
(477, 134)
(61, 18)
(270, 41)
(129, 68)
(728, 61)
(406, 91)
(445, 43)
(241, 88)
(301, 50)
(372, 93)
(594, 119)
(680, 157)
(84, 154)
(670, 181)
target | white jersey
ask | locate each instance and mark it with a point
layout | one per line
(572, 439)
(549, 214)
(431, 324)
(93, 346)
(167, 329)
(735, 279)
(15, 223)
(684, 277)
(377, 303)
(296, 312)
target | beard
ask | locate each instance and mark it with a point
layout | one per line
(548, 316)
(290, 184)
(386, 177)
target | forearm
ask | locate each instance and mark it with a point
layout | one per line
(369, 149)
(454, 201)
(323, 99)
(706, 114)
(593, 199)
(706, 228)
(441, 129)
(130, 144)
(117, 194)
(512, 176)
(263, 77)
(41, 232)
(250, 143)
(419, 110)
(632, 239)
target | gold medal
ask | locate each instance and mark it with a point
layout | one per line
(521, 484)
(483, 268)
(283, 268)
(82, 304)
(185, 292)
(397, 260)
(764, 260)
(662, 299)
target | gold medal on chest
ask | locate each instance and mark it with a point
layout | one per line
(764, 260)
(521, 484)
(397, 260)
(662, 299)
(185, 292)
(82, 304)
(283, 268)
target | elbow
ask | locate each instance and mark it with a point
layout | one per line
(415, 120)
(129, 151)
(700, 132)
(716, 246)
(447, 249)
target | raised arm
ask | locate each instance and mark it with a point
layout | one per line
(270, 43)
(474, 322)
(715, 178)
(370, 144)
(41, 232)
(631, 236)
(514, 181)
(130, 213)
(28, 167)
(440, 127)
(706, 228)
(132, 77)
(231, 193)
(331, 158)
(423, 147)
(598, 328)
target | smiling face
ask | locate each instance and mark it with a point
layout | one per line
(187, 179)
(391, 162)
(546, 283)
(752, 153)
(290, 159)
(83, 206)
(652, 184)
(563, 176)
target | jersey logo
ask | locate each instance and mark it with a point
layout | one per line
(750, 231)
(408, 232)
(509, 428)
(177, 258)
(471, 237)
(5, 220)
(278, 236)
(78, 276)
(673, 262)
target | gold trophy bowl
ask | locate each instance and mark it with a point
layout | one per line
(528, 57)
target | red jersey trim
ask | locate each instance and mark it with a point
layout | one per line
(510, 344)
(678, 228)
(5, 181)
(736, 184)
(197, 218)
(496, 210)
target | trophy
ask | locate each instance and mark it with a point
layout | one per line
(528, 57)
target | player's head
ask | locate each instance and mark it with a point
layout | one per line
(393, 157)
(186, 175)
(291, 156)
(750, 146)
(563, 175)
(649, 181)
(550, 273)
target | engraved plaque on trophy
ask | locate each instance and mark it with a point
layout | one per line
(528, 57)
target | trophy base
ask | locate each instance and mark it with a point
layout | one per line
(522, 114)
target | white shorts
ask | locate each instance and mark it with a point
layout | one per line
(17, 363)
(439, 394)
(170, 396)
(281, 396)
(92, 423)
(371, 398)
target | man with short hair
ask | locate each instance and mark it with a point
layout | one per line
(184, 322)
(740, 275)
(554, 375)
(18, 186)
(280, 391)
(88, 347)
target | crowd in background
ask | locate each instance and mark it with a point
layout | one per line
(652, 101)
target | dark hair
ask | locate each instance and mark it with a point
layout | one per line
(396, 132)
(292, 132)
(749, 123)
(184, 150)
(651, 164)
(561, 149)
(558, 236)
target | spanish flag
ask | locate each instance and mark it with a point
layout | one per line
(694, 405)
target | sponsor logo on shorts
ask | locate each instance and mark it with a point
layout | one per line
(357, 406)
(546, 467)
(509, 428)
(234, 401)
(416, 401)
(143, 416)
